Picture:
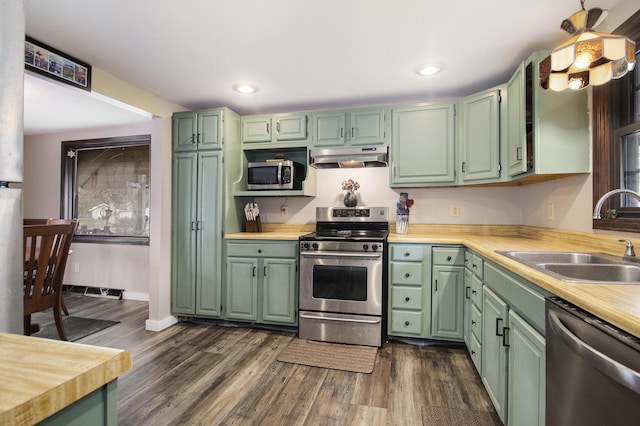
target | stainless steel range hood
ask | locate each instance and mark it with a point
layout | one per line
(331, 158)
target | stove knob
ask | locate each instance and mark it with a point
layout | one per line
(374, 247)
(365, 247)
(314, 246)
(305, 246)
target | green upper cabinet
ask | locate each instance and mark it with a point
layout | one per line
(267, 131)
(256, 129)
(291, 127)
(548, 132)
(479, 137)
(518, 136)
(195, 130)
(422, 152)
(360, 127)
(329, 128)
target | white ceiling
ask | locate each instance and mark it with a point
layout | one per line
(302, 54)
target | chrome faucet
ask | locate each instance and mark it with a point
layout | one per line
(598, 207)
(629, 251)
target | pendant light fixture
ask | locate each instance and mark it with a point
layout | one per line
(588, 57)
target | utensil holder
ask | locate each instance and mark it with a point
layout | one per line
(402, 224)
(254, 225)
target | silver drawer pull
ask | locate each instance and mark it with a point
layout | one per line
(326, 318)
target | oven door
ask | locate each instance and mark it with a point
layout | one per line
(342, 282)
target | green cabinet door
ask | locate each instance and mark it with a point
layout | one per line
(447, 302)
(210, 129)
(367, 127)
(526, 394)
(466, 311)
(291, 127)
(329, 128)
(516, 125)
(494, 352)
(256, 129)
(423, 145)
(184, 238)
(194, 130)
(184, 130)
(209, 248)
(480, 136)
(242, 288)
(279, 295)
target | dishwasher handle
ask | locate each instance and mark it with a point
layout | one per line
(622, 374)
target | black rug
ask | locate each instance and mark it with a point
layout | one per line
(75, 327)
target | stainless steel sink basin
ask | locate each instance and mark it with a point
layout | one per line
(599, 273)
(580, 267)
(559, 257)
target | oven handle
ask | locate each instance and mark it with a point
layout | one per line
(341, 254)
(365, 321)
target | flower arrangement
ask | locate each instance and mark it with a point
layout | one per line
(350, 185)
(404, 204)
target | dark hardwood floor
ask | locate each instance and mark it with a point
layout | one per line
(201, 374)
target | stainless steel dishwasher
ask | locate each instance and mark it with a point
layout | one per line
(592, 369)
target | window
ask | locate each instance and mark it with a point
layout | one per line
(616, 142)
(105, 184)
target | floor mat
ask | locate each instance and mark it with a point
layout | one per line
(445, 416)
(358, 359)
(75, 327)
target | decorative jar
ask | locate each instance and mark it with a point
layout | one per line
(402, 224)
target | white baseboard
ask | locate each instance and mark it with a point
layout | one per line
(130, 295)
(153, 325)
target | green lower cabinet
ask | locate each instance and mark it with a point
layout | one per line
(447, 302)
(494, 350)
(242, 289)
(262, 289)
(526, 390)
(513, 363)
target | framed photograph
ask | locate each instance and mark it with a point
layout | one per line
(45, 60)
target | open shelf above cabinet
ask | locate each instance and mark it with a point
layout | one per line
(298, 154)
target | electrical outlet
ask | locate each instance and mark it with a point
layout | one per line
(284, 211)
(455, 210)
(551, 212)
(76, 267)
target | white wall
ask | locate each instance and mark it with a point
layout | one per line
(478, 205)
(100, 265)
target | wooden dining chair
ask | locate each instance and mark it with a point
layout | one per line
(46, 248)
(53, 221)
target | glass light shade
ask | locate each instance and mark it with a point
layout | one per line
(601, 56)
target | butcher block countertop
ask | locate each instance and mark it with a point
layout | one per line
(617, 304)
(39, 377)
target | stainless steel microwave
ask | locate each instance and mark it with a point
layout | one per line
(285, 174)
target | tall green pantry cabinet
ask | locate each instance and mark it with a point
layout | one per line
(198, 207)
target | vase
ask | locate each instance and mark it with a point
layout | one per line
(350, 199)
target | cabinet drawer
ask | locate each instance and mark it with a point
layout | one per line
(406, 273)
(448, 256)
(468, 259)
(477, 265)
(412, 253)
(406, 297)
(475, 350)
(476, 322)
(254, 249)
(406, 322)
(476, 292)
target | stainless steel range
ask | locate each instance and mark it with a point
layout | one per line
(343, 276)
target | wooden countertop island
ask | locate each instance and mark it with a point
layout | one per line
(40, 378)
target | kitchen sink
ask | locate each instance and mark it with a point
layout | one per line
(597, 273)
(560, 257)
(580, 267)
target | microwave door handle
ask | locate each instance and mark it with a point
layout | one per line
(341, 255)
(280, 173)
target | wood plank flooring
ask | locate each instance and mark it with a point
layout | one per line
(203, 374)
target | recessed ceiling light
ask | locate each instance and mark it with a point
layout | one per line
(429, 69)
(245, 88)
